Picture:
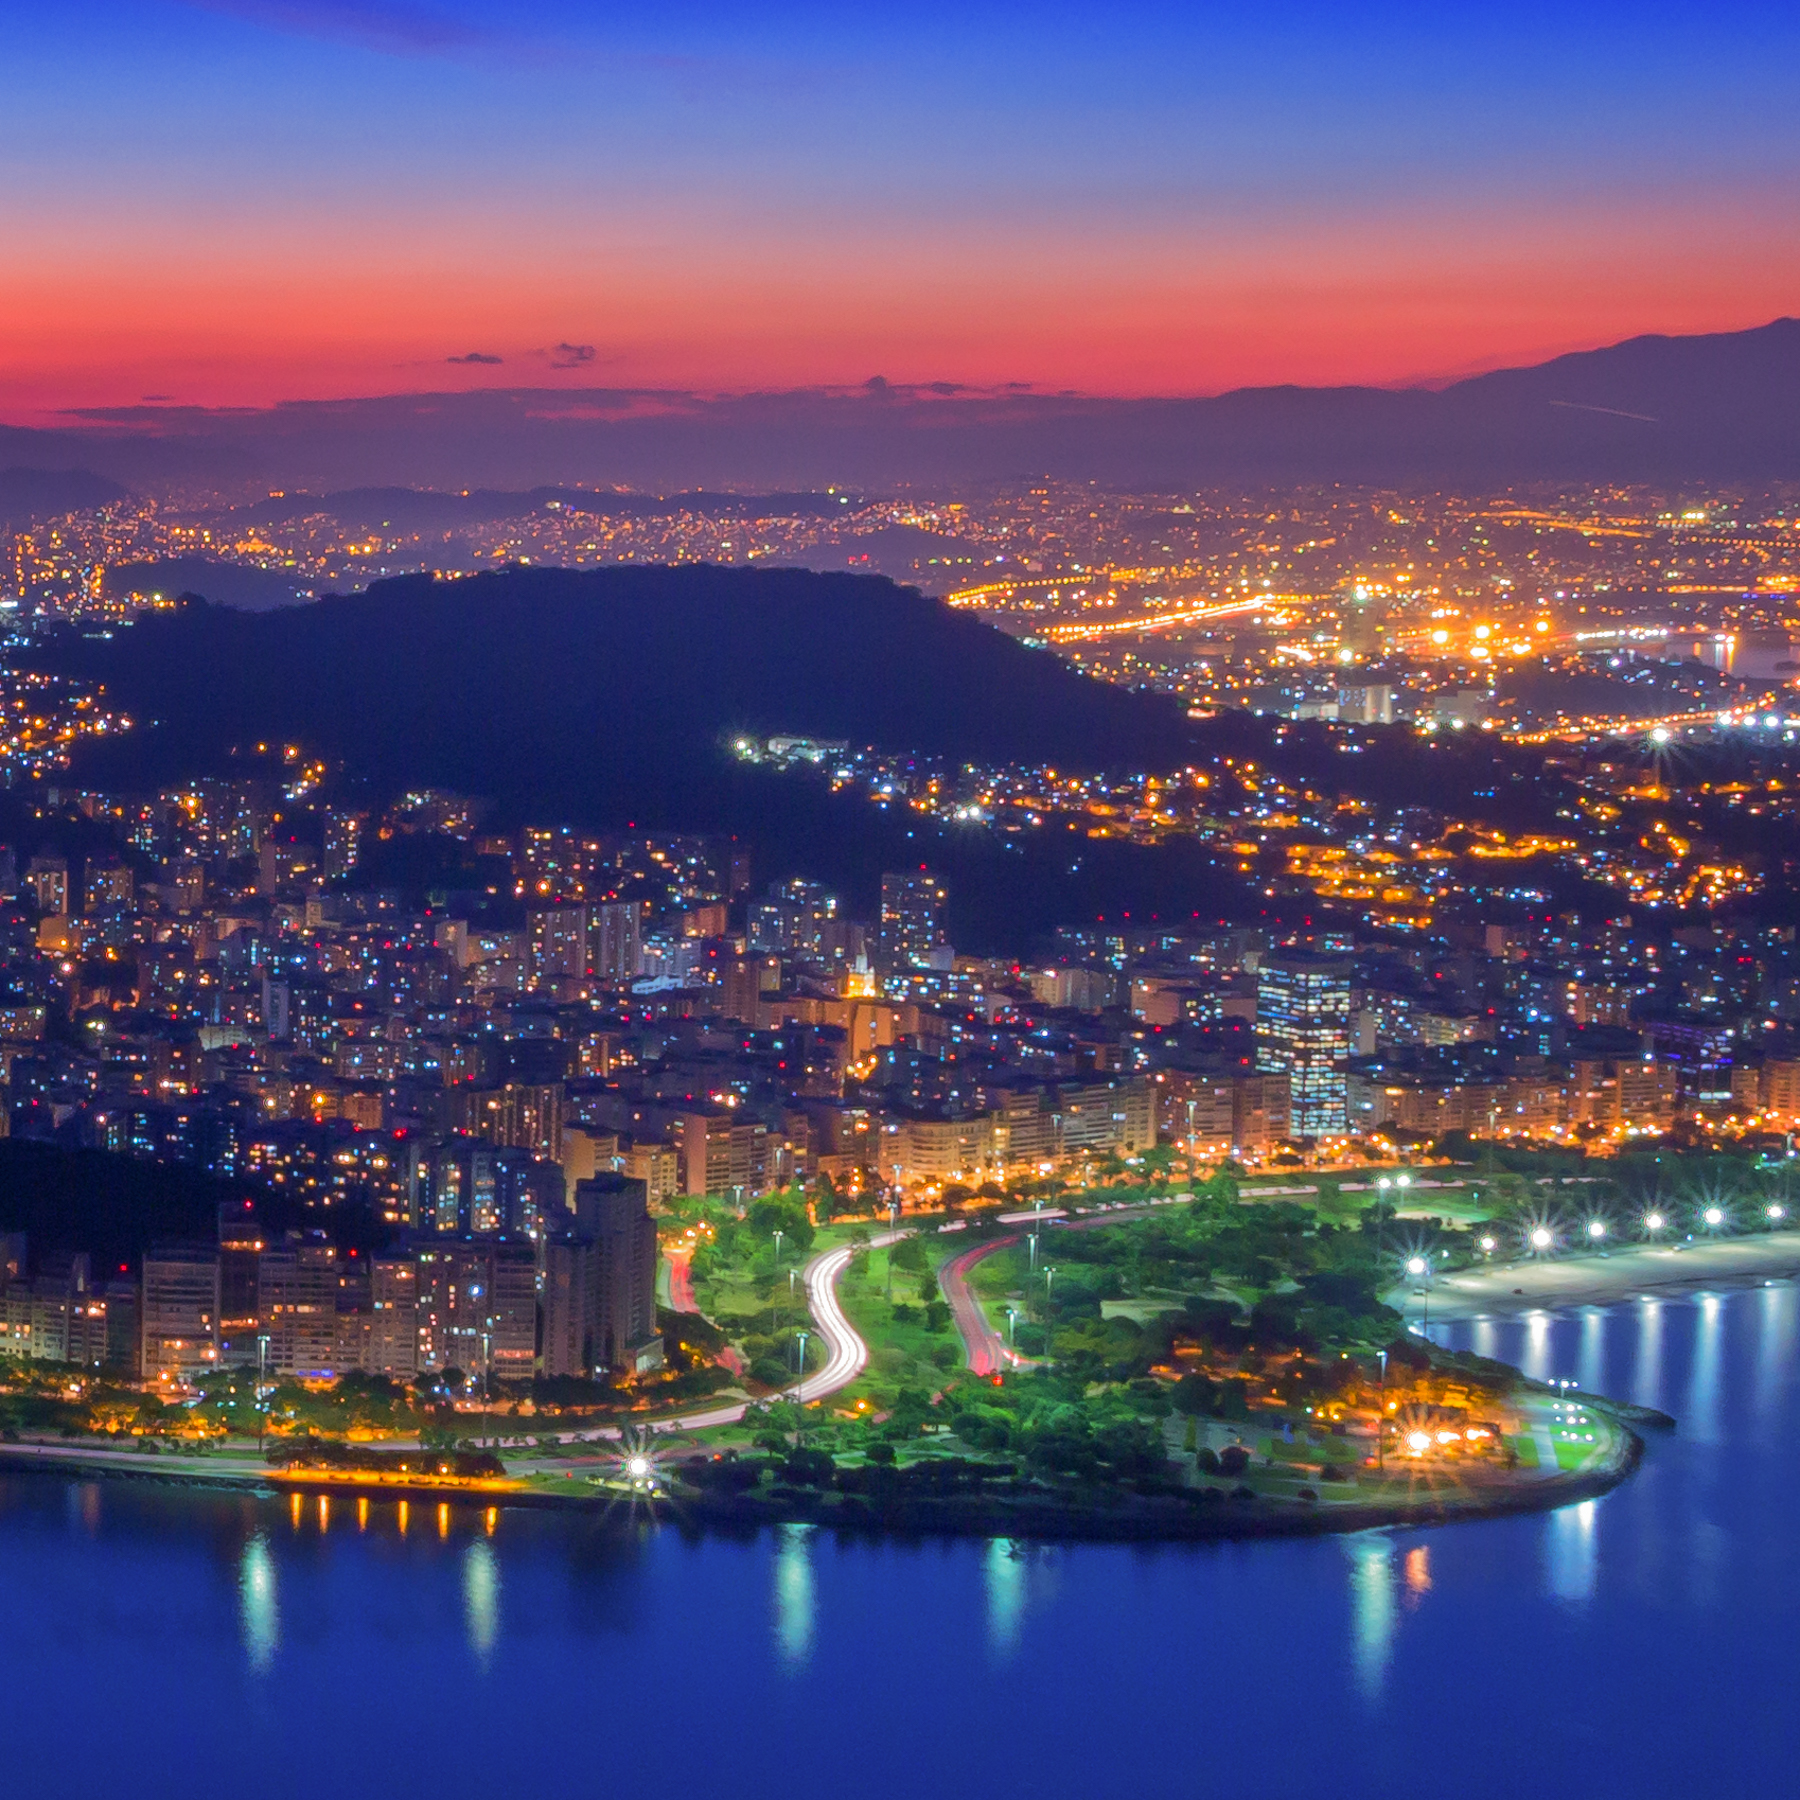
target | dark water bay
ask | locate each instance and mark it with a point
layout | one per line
(164, 1641)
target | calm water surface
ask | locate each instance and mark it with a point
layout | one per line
(164, 1642)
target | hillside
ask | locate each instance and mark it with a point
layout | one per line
(28, 494)
(618, 682)
(610, 697)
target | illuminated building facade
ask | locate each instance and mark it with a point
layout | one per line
(912, 915)
(1303, 1031)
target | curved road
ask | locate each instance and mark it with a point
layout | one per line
(846, 1354)
(986, 1351)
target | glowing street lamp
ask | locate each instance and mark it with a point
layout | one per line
(1713, 1217)
(1416, 1266)
(1596, 1229)
(1654, 1222)
(1542, 1238)
(1775, 1210)
(1489, 1246)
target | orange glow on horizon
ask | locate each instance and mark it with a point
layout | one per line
(191, 321)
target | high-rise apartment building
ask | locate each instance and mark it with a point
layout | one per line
(393, 1347)
(600, 1283)
(615, 946)
(343, 843)
(912, 915)
(559, 943)
(297, 1290)
(179, 1320)
(47, 881)
(522, 1115)
(1303, 1031)
(241, 1245)
(106, 881)
(477, 1306)
(722, 1154)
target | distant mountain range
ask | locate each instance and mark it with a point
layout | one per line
(27, 494)
(1722, 407)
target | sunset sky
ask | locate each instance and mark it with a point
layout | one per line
(247, 201)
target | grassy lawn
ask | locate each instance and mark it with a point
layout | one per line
(1577, 1455)
(903, 1350)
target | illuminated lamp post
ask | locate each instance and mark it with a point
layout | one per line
(1419, 1268)
(800, 1385)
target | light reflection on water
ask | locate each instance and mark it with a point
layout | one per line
(1004, 1568)
(794, 1597)
(481, 1598)
(1700, 1414)
(256, 1594)
(1069, 1671)
(1570, 1553)
(1373, 1611)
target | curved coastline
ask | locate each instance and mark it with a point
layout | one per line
(1639, 1271)
(1125, 1517)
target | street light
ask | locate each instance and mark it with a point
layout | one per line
(800, 1385)
(1714, 1217)
(1542, 1237)
(1654, 1222)
(1596, 1229)
(1419, 1268)
(1012, 1319)
(1776, 1210)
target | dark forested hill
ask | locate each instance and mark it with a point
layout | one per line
(610, 697)
(616, 684)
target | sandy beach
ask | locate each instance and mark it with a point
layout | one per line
(1556, 1284)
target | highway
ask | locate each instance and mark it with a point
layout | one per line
(987, 1353)
(846, 1353)
(985, 1349)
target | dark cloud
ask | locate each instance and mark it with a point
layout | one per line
(570, 356)
(474, 356)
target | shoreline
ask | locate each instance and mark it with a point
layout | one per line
(1127, 1518)
(1607, 1277)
